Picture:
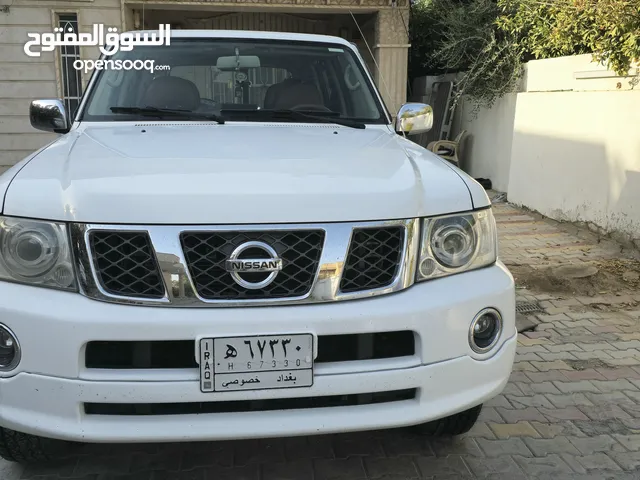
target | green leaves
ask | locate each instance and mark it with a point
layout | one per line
(463, 37)
(489, 39)
(609, 29)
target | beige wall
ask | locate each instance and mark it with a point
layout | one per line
(24, 78)
(576, 156)
(567, 146)
(488, 144)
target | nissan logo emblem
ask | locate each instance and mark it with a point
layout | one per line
(270, 264)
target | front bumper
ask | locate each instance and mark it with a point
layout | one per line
(46, 394)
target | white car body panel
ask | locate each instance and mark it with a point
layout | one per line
(205, 173)
(46, 397)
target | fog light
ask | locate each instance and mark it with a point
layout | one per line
(485, 330)
(9, 350)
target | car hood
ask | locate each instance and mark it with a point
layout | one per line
(204, 173)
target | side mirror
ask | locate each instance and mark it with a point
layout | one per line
(49, 115)
(414, 118)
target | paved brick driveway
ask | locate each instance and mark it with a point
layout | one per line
(571, 409)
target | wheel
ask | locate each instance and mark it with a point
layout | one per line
(453, 425)
(24, 448)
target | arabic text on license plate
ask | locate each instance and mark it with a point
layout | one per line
(256, 363)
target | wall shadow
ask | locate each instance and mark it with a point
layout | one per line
(576, 180)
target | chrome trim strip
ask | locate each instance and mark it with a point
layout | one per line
(497, 335)
(180, 290)
(7, 369)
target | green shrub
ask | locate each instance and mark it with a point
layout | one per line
(609, 29)
(488, 40)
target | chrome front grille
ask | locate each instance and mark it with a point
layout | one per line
(186, 266)
(207, 252)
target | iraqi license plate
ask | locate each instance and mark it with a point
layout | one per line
(256, 363)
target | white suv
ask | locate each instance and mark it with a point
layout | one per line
(243, 245)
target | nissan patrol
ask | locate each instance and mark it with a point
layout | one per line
(243, 244)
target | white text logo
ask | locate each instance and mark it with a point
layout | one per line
(87, 65)
(109, 44)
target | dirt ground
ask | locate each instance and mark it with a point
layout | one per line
(612, 276)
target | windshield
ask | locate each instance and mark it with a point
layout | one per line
(238, 79)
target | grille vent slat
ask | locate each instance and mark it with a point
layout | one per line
(125, 264)
(239, 406)
(373, 259)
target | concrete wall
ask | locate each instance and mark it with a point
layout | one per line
(567, 145)
(24, 78)
(576, 157)
(488, 144)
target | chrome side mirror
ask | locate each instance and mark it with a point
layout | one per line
(49, 115)
(414, 118)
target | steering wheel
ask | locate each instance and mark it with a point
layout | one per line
(347, 79)
(311, 107)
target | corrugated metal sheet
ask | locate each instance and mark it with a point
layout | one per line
(273, 22)
(393, 66)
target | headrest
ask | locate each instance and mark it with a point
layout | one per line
(275, 90)
(298, 94)
(172, 92)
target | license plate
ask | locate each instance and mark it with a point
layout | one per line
(256, 363)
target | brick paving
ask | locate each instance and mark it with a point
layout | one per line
(570, 411)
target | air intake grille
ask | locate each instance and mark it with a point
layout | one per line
(373, 259)
(207, 252)
(125, 264)
(235, 406)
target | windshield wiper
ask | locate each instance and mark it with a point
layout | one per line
(322, 116)
(167, 112)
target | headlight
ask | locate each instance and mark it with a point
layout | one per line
(35, 252)
(457, 243)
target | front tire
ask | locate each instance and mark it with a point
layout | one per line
(453, 425)
(25, 448)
